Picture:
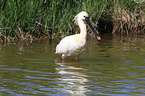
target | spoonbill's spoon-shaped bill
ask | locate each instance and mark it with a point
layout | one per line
(89, 23)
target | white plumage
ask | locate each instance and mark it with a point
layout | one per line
(74, 44)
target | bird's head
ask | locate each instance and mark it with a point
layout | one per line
(84, 16)
(81, 16)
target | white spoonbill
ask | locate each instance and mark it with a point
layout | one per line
(74, 45)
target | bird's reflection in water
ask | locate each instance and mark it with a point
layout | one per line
(73, 79)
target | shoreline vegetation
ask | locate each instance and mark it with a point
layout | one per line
(37, 19)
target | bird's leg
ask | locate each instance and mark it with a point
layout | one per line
(63, 56)
(69, 55)
(77, 57)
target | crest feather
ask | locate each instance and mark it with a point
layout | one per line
(76, 19)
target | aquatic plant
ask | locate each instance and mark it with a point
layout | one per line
(31, 19)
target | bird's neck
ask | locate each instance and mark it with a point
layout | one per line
(83, 30)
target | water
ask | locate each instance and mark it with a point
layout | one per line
(114, 66)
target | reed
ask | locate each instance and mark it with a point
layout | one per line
(128, 16)
(29, 19)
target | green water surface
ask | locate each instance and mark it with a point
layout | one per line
(113, 66)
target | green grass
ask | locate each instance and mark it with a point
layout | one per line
(27, 19)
